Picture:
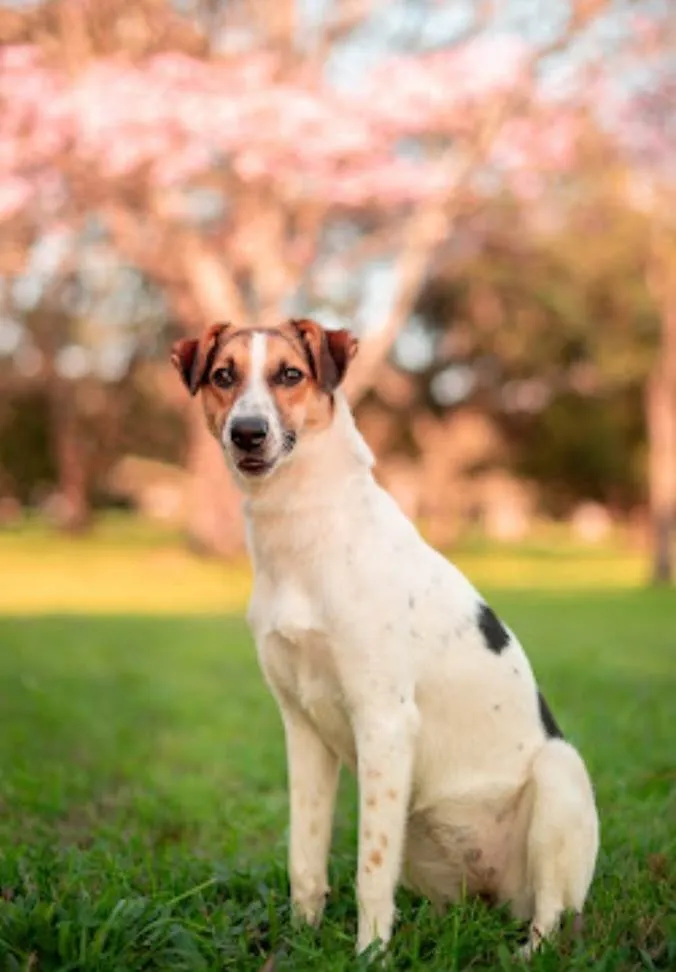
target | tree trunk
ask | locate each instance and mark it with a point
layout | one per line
(661, 423)
(72, 511)
(427, 229)
(215, 524)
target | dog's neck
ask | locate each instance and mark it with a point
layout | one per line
(314, 481)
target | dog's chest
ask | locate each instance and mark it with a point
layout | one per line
(305, 671)
(298, 662)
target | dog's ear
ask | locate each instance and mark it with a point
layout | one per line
(192, 358)
(329, 352)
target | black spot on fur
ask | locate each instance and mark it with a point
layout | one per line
(548, 721)
(495, 634)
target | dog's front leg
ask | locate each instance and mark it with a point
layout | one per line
(313, 780)
(385, 756)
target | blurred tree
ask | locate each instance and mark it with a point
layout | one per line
(645, 130)
(661, 405)
(84, 328)
(574, 316)
(225, 159)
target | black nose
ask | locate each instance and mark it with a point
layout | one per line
(249, 433)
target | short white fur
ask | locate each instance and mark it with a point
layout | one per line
(369, 640)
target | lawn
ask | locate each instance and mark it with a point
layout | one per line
(142, 779)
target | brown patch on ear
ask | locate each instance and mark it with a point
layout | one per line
(182, 357)
(329, 352)
(192, 359)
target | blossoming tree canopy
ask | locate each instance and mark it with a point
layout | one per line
(176, 118)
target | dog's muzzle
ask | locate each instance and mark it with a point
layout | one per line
(248, 434)
(249, 437)
(256, 446)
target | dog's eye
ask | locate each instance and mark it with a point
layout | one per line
(288, 377)
(223, 378)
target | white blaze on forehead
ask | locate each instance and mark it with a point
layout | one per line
(256, 399)
(257, 386)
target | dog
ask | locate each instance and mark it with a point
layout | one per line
(383, 657)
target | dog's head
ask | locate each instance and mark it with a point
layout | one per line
(263, 390)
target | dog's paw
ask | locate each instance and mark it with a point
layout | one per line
(374, 953)
(535, 941)
(526, 952)
(308, 910)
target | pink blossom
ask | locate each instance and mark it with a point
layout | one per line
(15, 193)
(175, 117)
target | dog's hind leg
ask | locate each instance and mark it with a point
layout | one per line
(562, 838)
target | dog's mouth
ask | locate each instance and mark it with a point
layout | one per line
(254, 466)
(257, 465)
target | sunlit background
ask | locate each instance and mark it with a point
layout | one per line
(486, 193)
(483, 191)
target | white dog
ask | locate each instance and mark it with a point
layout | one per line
(383, 657)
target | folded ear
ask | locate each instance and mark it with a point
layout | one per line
(192, 358)
(329, 352)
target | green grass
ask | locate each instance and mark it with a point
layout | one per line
(143, 803)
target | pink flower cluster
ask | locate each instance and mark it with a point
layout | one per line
(174, 118)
